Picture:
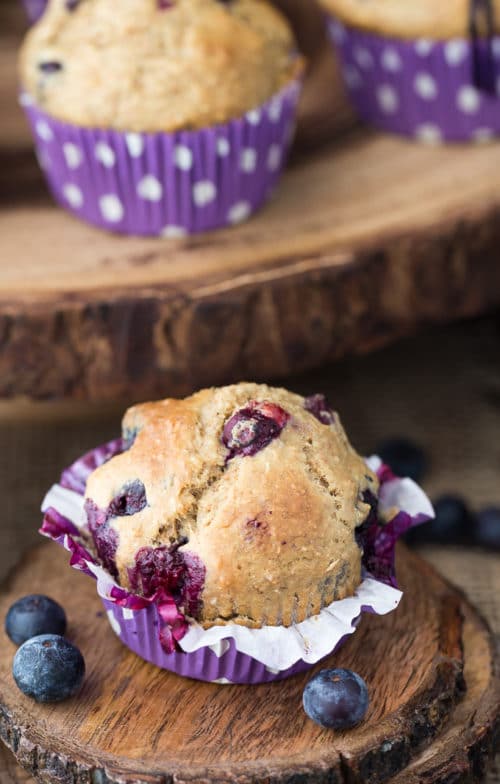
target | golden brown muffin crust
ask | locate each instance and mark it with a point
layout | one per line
(135, 66)
(408, 18)
(275, 530)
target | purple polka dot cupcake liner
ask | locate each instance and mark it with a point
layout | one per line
(34, 9)
(424, 89)
(167, 184)
(234, 654)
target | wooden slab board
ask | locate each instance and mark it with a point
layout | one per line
(140, 724)
(368, 238)
(461, 753)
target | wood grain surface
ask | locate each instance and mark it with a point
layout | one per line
(460, 755)
(138, 723)
(369, 238)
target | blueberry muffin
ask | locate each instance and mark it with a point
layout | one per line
(242, 503)
(408, 19)
(157, 65)
(423, 69)
(165, 117)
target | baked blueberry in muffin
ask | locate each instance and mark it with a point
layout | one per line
(239, 504)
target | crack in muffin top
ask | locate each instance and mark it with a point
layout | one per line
(152, 66)
(257, 486)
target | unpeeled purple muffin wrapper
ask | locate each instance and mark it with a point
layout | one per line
(424, 89)
(137, 622)
(34, 9)
(167, 184)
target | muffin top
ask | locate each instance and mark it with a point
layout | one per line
(408, 18)
(156, 65)
(241, 503)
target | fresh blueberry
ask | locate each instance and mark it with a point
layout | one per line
(488, 528)
(48, 668)
(404, 457)
(318, 406)
(34, 615)
(453, 523)
(252, 428)
(336, 699)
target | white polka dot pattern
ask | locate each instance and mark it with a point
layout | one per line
(248, 160)
(223, 147)
(44, 131)
(149, 188)
(204, 192)
(173, 232)
(239, 212)
(425, 86)
(73, 195)
(105, 154)
(391, 61)
(73, 155)
(429, 134)
(468, 99)
(422, 89)
(183, 157)
(387, 98)
(274, 111)
(111, 208)
(423, 47)
(135, 144)
(168, 185)
(274, 157)
(455, 51)
(253, 117)
(363, 58)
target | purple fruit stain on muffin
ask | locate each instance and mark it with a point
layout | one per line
(171, 572)
(318, 406)
(130, 501)
(71, 5)
(174, 579)
(252, 428)
(104, 536)
(255, 528)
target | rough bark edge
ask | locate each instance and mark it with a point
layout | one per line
(296, 315)
(480, 741)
